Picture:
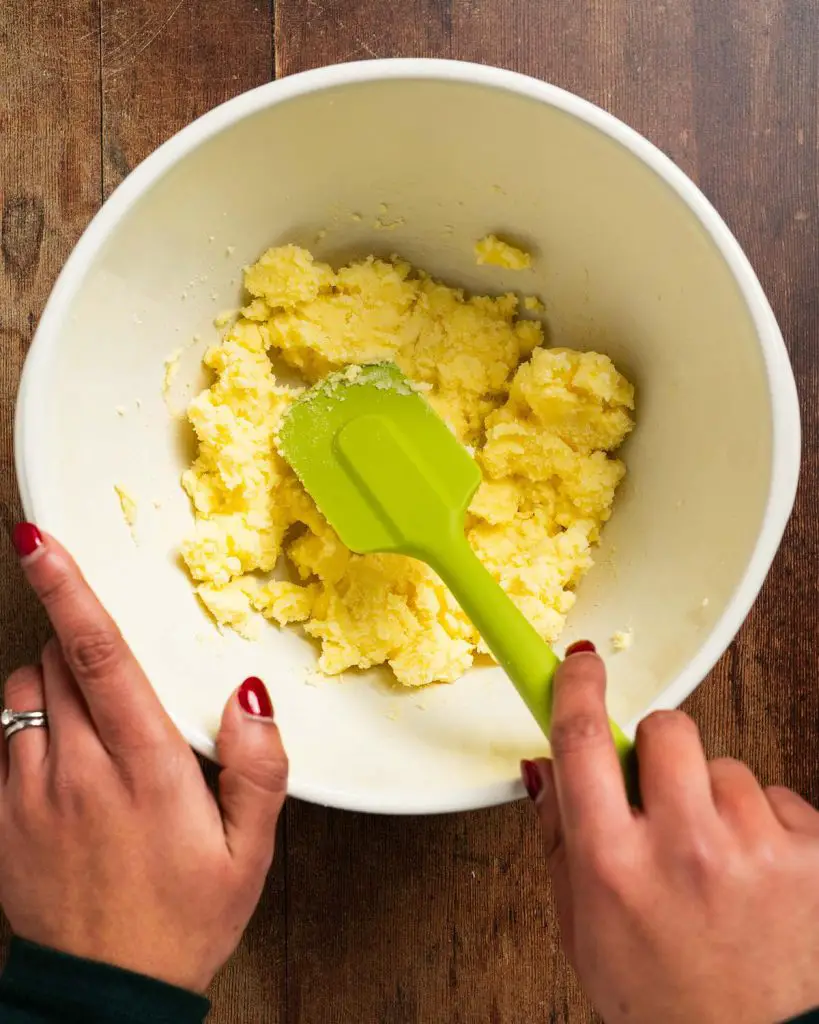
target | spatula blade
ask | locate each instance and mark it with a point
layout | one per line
(379, 462)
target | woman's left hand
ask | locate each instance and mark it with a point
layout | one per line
(111, 845)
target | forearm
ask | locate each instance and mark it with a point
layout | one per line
(41, 986)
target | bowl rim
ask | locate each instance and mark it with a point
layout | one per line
(785, 418)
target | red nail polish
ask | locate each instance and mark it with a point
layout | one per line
(26, 538)
(531, 779)
(581, 647)
(254, 698)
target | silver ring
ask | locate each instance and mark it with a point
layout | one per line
(13, 722)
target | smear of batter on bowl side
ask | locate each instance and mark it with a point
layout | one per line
(541, 423)
(492, 251)
(129, 507)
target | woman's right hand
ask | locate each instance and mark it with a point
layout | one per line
(701, 907)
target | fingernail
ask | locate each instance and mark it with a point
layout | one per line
(254, 699)
(26, 538)
(531, 779)
(581, 647)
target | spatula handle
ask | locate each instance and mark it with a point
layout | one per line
(527, 659)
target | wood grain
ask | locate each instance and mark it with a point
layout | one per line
(311, 33)
(165, 62)
(396, 921)
(755, 93)
(49, 189)
(386, 921)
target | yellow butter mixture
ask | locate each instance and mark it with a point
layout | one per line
(494, 252)
(541, 423)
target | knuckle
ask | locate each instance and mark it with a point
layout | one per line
(661, 723)
(59, 585)
(782, 798)
(268, 775)
(731, 778)
(144, 764)
(92, 653)
(136, 772)
(578, 732)
(767, 853)
(612, 865)
(20, 685)
(704, 859)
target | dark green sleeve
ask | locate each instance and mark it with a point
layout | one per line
(811, 1017)
(41, 986)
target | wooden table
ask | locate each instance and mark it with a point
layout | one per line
(379, 921)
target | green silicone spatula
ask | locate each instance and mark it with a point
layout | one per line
(389, 475)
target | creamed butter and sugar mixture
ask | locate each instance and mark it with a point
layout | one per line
(542, 423)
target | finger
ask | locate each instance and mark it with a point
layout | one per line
(738, 797)
(538, 777)
(27, 750)
(539, 780)
(253, 780)
(674, 779)
(120, 700)
(70, 726)
(794, 813)
(589, 782)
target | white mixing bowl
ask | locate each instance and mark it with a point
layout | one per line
(631, 260)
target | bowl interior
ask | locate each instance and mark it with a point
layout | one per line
(624, 267)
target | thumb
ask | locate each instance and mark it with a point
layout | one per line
(253, 780)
